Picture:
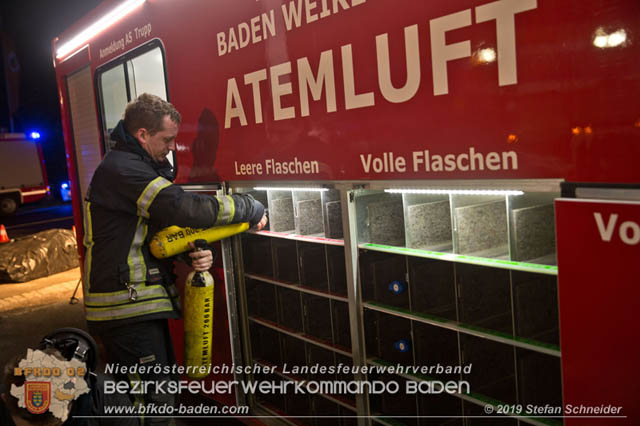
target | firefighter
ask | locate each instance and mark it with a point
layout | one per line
(129, 295)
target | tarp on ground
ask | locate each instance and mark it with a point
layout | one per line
(39, 255)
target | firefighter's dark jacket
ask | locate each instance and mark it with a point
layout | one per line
(131, 198)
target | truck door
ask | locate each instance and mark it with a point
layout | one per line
(84, 126)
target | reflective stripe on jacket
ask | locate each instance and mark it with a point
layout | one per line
(131, 198)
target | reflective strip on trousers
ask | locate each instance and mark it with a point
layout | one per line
(226, 210)
(128, 310)
(149, 194)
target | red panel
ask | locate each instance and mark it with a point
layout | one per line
(569, 110)
(598, 252)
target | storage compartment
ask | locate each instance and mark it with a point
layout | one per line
(317, 317)
(286, 260)
(383, 278)
(289, 309)
(321, 407)
(261, 300)
(533, 232)
(256, 253)
(438, 409)
(269, 399)
(346, 375)
(313, 266)
(348, 417)
(480, 224)
(493, 371)
(307, 208)
(535, 299)
(380, 218)
(436, 346)
(317, 355)
(432, 288)
(281, 211)
(428, 219)
(421, 294)
(265, 344)
(341, 325)
(398, 404)
(299, 404)
(532, 222)
(388, 337)
(539, 380)
(484, 297)
(293, 353)
(337, 270)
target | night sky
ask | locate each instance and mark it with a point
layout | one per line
(31, 25)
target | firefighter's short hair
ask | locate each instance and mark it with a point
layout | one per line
(147, 112)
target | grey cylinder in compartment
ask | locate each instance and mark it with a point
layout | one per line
(281, 215)
(429, 225)
(308, 218)
(333, 213)
(386, 222)
(482, 228)
(533, 232)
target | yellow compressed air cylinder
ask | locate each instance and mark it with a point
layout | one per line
(175, 240)
(198, 324)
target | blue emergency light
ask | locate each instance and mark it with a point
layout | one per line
(35, 135)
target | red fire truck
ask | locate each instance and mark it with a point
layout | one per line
(23, 177)
(453, 191)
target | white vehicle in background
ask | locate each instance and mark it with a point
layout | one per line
(23, 177)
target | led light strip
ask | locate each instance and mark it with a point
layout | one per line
(268, 188)
(456, 191)
(97, 27)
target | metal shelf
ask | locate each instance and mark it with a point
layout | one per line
(461, 258)
(474, 331)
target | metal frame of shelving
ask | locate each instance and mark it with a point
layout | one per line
(232, 255)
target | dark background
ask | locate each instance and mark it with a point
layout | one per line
(27, 28)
